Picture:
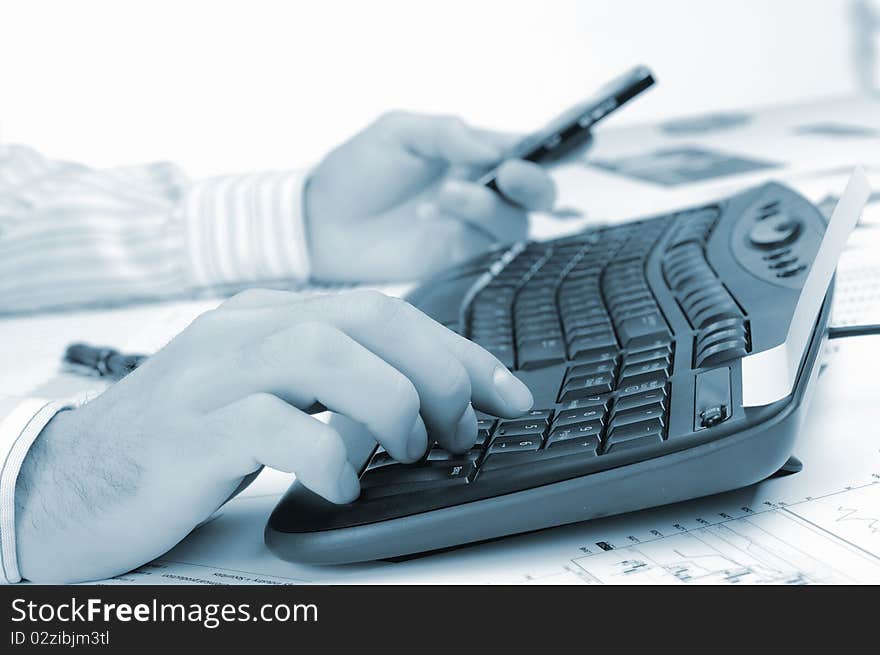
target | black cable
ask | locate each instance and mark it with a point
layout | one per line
(843, 331)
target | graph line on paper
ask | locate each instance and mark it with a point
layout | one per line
(852, 514)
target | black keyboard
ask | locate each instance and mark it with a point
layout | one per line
(633, 339)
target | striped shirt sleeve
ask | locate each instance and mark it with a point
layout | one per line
(72, 235)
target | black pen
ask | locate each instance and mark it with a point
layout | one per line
(100, 361)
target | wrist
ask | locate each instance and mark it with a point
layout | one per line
(37, 498)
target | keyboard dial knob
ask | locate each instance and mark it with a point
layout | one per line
(775, 231)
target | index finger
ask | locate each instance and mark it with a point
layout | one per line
(405, 340)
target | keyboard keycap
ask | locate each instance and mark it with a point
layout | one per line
(642, 329)
(517, 428)
(639, 434)
(594, 348)
(641, 399)
(504, 353)
(656, 378)
(646, 366)
(484, 428)
(722, 352)
(655, 410)
(525, 426)
(539, 414)
(581, 387)
(381, 458)
(637, 357)
(588, 446)
(404, 478)
(572, 416)
(531, 421)
(575, 431)
(538, 353)
(629, 388)
(515, 444)
(606, 366)
(437, 454)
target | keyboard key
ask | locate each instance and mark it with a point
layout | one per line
(579, 323)
(598, 329)
(565, 450)
(628, 388)
(484, 428)
(404, 478)
(533, 332)
(631, 297)
(716, 312)
(542, 414)
(594, 348)
(589, 401)
(656, 410)
(641, 398)
(515, 444)
(503, 352)
(581, 387)
(627, 313)
(437, 454)
(531, 421)
(524, 426)
(517, 429)
(579, 446)
(642, 329)
(637, 356)
(712, 338)
(631, 371)
(381, 458)
(538, 353)
(572, 416)
(595, 368)
(575, 431)
(644, 433)
(722, 352)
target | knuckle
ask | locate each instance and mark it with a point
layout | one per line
(374, 306)
(279, 347)
(452, 123)
(207, 321)
(256, 298)
(317, 340)
(247, 296)
(390, 119)
(261, 403)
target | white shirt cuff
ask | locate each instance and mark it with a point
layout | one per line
(246, 228)
(18, 430)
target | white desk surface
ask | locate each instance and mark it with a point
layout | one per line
(840, 427)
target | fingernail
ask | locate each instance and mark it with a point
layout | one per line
(348, 485)
(512, 391)
(418, 440)
(466, 429)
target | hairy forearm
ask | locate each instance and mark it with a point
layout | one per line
(70, 485)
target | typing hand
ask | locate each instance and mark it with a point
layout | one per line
(117, 482)
(394, 203)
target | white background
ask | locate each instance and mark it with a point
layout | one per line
(234, 86)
